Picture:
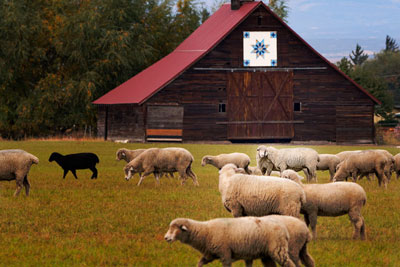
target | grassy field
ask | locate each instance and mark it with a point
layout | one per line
(109, 221)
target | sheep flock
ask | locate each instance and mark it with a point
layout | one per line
(266, 201)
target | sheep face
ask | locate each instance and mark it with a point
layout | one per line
(121, 155)
(341, 174)
(54, 156)
(129, 172)
(206, 160)
(262, 151)
(178, 230)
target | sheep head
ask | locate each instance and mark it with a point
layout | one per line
(229, 169)
(129, 172)
(121, 154)
(341, 172)
(54, 156)
(178, 230)
(292, 175)
(205, 160)
(262, 151)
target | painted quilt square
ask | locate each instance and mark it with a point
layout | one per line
(260, 49)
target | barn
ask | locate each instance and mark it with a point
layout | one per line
(243, 75)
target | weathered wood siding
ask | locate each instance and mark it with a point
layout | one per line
(123, 122)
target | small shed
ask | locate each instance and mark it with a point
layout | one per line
(243, 75)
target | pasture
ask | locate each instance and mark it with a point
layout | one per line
(110, 221)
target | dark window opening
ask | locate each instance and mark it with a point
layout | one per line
(297, 106)
(259, 20)
(221, 107)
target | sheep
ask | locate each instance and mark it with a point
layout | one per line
(128, 155)
(241, 160)
(15, 165)
(332, 199)
(397, 165)
(250, 195)
(78, 161)
(299, 236)
(367, 161)
(253, 170)
(232, 239)
(158, 160)
(305, 159)
(328, 162)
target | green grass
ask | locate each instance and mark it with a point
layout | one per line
(111, 222)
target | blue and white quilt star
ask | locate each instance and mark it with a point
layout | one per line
(260, 49)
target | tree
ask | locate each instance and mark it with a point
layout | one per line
(391, 45)
(359, 57)
(345, 65)
(280, 8)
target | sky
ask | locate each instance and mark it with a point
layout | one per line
(334, 27)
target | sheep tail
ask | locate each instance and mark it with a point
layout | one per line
(97, 159)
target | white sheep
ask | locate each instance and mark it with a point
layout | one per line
(397, 165)
(232, 239)
(305, 159)
(367, 161)
(159, 160)
(254, 170)
(241, 160)
(299, 236)
(128, 155)
(328, 162)
(332, 199)
(15, 165)
(251, 195)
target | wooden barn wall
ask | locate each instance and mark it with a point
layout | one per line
(123, 122)
(318, 91)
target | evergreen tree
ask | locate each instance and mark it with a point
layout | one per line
(280, 8)
(391, 45)
(358, 57)
(345, 65)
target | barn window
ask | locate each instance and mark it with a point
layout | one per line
(221, 107)
(297, 106)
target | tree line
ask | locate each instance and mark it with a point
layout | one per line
(379, 74)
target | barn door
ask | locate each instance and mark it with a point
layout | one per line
(164, 123)
(260, 105)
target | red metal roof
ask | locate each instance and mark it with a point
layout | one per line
(148, 82)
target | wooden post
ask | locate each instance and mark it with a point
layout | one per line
(106, 125)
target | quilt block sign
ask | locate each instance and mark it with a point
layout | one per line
(260, 49)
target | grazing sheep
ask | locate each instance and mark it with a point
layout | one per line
(129, 155)
(78, 161)
(299, 236)
(15, 165)
(232, 239)
(251, 195)
(159, 160)
(241, 160)
(305, 159)
(328, 162)
(367, 161)
(397, 165)
(332, 199)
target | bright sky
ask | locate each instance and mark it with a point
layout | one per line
(334, 27)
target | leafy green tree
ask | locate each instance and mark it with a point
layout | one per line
(391, 45)
(280, 8)
(345, 65)
(359, 57)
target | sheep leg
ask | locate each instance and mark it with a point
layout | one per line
(158, 175)
(306, 258)
(280, 254)
(65, 173)
(193, 176)
(307, 174)
(358, 222)
(268, 262)
(19, 187)
(27, 185)
(313, 223)
(331, 173)
(226, 258)
(74, 173)
(94, 170)
(182, 177)
(249, 263)
(144, 175)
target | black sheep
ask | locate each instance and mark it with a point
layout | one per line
(78, 161)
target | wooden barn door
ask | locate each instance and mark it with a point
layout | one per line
(260, 105)
(164, 123)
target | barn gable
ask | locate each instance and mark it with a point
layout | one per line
(215, 97)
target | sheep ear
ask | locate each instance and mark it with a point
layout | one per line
(184, 228)
(123, 154)
(131, 169)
